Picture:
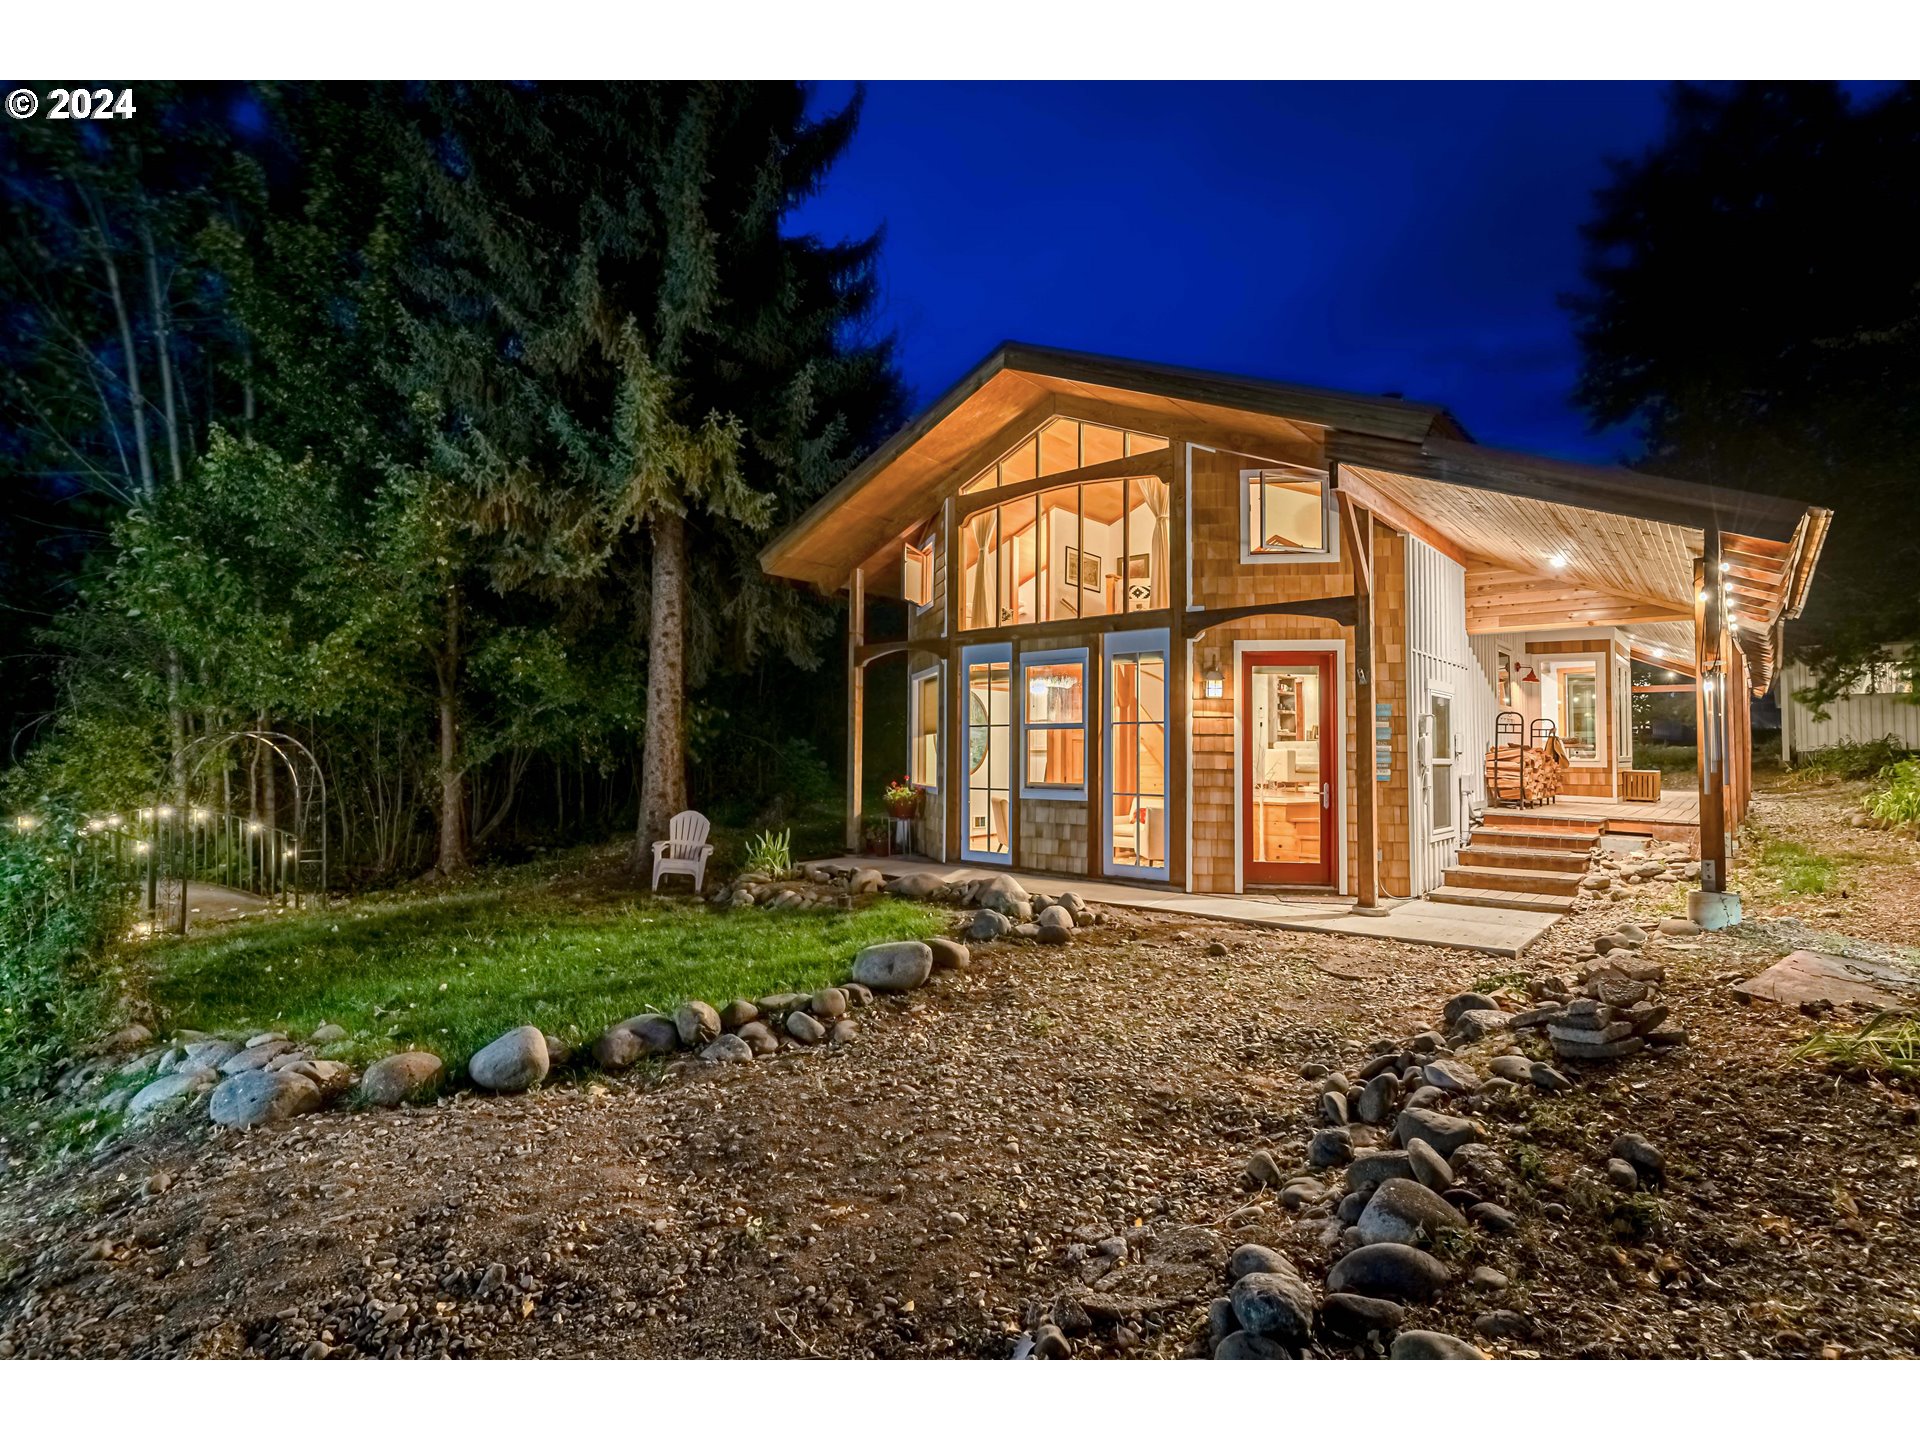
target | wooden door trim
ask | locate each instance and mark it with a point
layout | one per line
(1332, 761)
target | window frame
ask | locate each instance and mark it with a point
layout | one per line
(1030, 790)
(1435, 764)
(929, 554)
(989, 654)
(1327, 554)
(937, 671)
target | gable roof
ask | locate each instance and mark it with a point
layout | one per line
(1420, 449)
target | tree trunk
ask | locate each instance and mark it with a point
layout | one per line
(130, 358)
(163, 347)
(663, 779)
(453, 857)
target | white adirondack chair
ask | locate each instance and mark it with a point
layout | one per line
(684, 851)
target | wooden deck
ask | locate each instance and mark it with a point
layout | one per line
(1674, 816)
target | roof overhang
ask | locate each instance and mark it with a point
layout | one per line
(896, 487)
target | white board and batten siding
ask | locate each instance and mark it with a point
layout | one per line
(1851, 718)
(1443, 659)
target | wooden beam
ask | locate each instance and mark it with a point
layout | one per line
(1341, 609)
(1399, 517)
(1684, 689)
(1128, 467)
(856, 703)
(1357, 525)
(880, 650)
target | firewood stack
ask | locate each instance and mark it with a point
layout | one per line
(1532, 774)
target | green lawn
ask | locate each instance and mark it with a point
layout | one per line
(449, 971)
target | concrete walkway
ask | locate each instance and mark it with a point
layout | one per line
(1501, 933)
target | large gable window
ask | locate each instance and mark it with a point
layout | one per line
(1286, 514)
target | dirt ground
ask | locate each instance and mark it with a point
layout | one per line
(926, 1190)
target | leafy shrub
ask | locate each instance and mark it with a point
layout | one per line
(770, 854)
(1896, 799)
(55, 991)
(1851, 759)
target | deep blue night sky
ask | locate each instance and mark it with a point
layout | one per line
(1365, 237)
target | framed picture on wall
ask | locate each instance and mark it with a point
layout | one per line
(1137, 566)
(1089, 571)
(1073, 563)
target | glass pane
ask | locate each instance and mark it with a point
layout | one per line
(1581, 720)
(989, 765)
(1019, 561)
(1285, 512)
(1442, 725)
(1099, 444)
(983, 481)
(1138, 444)
(1018, 463)
(1137, 684)
(1055, 694)
(1059, 446)
(1060, 553)
(1149, 552)
(1288, 822)
(1102, 521)
(926, 731)
(979, 570)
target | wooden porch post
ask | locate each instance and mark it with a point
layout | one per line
(1710, 715)
(1177, 758)
(954, 727)
(1358, 525)
(856, 701)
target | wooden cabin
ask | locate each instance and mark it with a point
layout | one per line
(1219, 634)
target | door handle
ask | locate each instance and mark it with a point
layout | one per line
(1326, 794)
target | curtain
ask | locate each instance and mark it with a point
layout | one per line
(981, 614)
(1156, 496)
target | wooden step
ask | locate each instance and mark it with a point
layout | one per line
(1451, 894)
(1565, 862)
(1575, 841)
(1492, 877)
(1547, 819)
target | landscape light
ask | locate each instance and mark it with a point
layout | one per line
(165, 812)
(253, 827)
(24, 822)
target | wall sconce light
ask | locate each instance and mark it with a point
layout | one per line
(1530, 677)
(1213, 683)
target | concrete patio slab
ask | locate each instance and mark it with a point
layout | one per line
(1806, 976)
(1502, 933)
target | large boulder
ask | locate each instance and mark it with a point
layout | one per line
(650, 1034)
(260, 1097)
(1445, 1133)
(949, 954)
(1273, 1305)
(1057, 915)
(1390, 1272)
(169, 1090)
(987, 926)
(514, 1062)
(1004, 894)
(894, 965)
(805, 1029)
(697, 1022)
(918, 886)
(1371, 1167)
(1432, 1345)
(394, 1078)
(255, 1057)
(1405, 1212)
(736, 1013)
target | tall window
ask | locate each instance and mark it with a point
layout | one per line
(1137, 760)
(1505, 683)
(1284, 514)
(1440, 730)
(1054, 724)
(1623, 712)
(1580, 711)
(923, 762)
(989, 762)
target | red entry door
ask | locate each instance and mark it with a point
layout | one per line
(1289, 767)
